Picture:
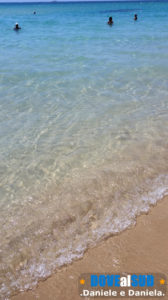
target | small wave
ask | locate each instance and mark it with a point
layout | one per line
(119, 10)
(67, 238)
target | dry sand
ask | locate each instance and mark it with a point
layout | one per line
(140, 249)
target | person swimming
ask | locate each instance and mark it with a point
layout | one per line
(110, 21)
(34, 13)
(17, 27)
(135, 17)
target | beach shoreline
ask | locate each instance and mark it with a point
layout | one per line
(83, 144)
(140, 249)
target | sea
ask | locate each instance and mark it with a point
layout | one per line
(83, 129)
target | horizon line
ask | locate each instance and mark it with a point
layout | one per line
(76, 1)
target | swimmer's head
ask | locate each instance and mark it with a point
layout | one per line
(110, 21)
(17, 26)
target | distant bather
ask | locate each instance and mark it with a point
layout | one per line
(110, 21)
(135, 17)
(17, 27)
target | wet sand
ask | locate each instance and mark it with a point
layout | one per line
(141, 248)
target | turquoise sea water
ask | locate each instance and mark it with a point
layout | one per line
(83, 129)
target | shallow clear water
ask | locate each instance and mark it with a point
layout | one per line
(83, 129)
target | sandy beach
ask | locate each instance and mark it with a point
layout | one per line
(141, 248)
